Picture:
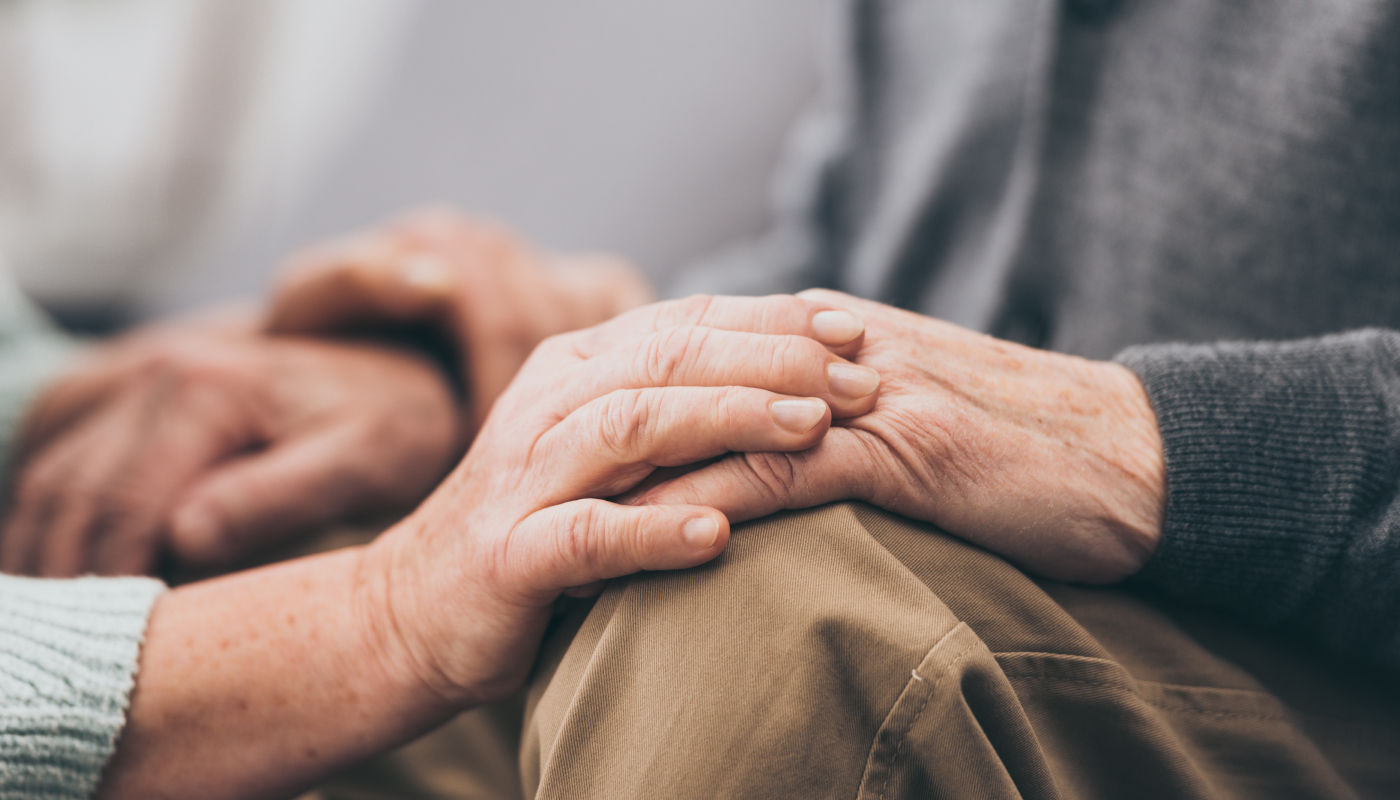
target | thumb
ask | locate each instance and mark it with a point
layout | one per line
(577, 543)
(377, 286)
(250, 502)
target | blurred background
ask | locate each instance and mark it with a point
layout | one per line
(161, 154)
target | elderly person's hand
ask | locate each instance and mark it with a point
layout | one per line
(489, 294)
(1054, 462)
(205, 442)
(312, 663)
(590, 416)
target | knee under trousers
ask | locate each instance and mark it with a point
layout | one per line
(843, 652)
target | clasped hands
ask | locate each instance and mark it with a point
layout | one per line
(197, 441)
(313, 663)
(1052, 461)
(468, 581)
(204, 440)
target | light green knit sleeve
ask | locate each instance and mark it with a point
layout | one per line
(68, 658)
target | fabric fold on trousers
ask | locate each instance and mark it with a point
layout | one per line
(847, 653)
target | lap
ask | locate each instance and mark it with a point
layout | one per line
(844, 652)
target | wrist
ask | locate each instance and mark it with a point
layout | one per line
(431, 623)
(391, 621)
(1134, 450)
(281, 658)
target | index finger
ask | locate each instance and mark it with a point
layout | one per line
(827, 322)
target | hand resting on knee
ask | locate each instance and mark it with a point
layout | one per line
(1053, 461)
(262, 682)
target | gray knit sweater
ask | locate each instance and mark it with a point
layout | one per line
(1204, 190)
(68, 649)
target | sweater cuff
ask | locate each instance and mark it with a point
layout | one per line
(68, 656)
(1275, 454)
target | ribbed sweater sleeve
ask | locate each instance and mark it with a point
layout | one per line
(1283, 464)
(68, 658)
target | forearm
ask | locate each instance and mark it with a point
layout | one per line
(259, 683)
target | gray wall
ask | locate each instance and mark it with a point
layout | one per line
(645, 127)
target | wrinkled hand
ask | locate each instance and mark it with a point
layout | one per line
(490, 294)
(1054, 462)
(208, 442)
(472, 575)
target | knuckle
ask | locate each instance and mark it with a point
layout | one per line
(730, 404)
(793, 356)
(601, 544)
(623, 420)
(775, 473)
(668, 353)
(772, 311)
(575, 543)
(880, 476)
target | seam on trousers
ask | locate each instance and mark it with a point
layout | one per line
(915, 681)
(1163, 696)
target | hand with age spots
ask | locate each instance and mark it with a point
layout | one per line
(311, 664)
(207, 442)
(1052, 461)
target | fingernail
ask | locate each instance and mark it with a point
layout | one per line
(851, 381)
(836, 327)
(701, 532)
(427, 273)
(798, 416)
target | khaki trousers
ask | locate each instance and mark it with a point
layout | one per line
(847, 653)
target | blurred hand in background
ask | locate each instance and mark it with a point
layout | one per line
(207, 440)
(489, 294)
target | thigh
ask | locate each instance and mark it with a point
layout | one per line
(473, 757)
(844, 652)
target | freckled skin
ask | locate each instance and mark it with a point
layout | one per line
(260, 683)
